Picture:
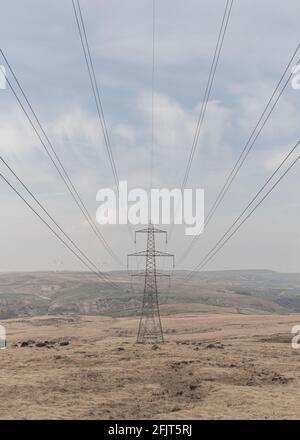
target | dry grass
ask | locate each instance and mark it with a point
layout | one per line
(213, 365)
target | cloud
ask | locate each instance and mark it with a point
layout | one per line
(45, 51)
(273, 159)
(17, 138)
(125, 133)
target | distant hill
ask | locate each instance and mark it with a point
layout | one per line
(241, 291)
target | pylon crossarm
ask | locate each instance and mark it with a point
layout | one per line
(159, 231)
(163, 254)
(158, 274)
(142, 231)
(144, 274)
(138, 254)
(151, 229)
(146, 230)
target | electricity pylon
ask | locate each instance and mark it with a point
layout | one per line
(150, 328)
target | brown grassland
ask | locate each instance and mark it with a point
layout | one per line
(213, 365)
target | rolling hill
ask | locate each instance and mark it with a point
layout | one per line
(52, 293)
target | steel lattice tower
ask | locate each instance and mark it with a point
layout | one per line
(150, 328)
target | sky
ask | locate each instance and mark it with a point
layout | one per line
(41, 41)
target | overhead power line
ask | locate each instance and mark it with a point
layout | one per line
(208, 88)
(268, 110)
(219, 245)
(56, 161)
(210, 81)
(94, 84)
(49, 215)
(152, 92)
(96, 92)
(88, 265)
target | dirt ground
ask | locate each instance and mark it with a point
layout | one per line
(212, 366)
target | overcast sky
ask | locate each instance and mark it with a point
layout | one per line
(41, 41)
